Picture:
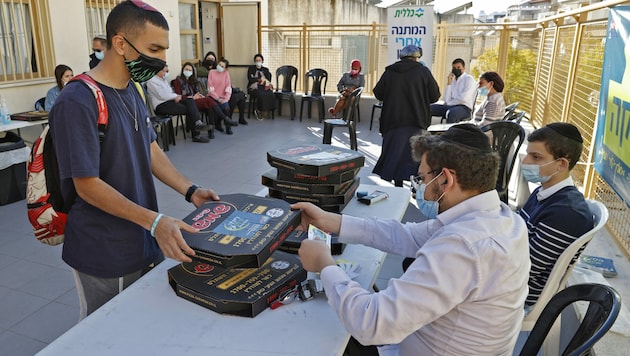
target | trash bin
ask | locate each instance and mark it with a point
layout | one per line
(13, 157)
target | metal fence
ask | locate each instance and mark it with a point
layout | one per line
(552, 67)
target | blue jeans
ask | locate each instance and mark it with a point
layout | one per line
(452, 113)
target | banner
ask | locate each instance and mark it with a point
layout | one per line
(410, 25)
(612, 150)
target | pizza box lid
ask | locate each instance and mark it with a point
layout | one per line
(236, 291)
(270, 179)
(336, 178)
(343, 197)
(241, 230)
(315, 159)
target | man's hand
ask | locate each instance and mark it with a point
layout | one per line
(311, 214)
(315, 255)
(202, 195)
(178, 98)
(451, 76)
(170, 239)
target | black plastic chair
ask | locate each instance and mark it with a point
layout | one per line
(516, 117)
(349, 120)
(379, 106)
(316, 77)
(510, 110)
(40, 104)
(504, 133)
(603, 309)
(289, 76)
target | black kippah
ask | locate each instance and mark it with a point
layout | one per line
(567, 130)
(468, 135)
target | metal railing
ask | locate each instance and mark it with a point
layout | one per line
(552, 67)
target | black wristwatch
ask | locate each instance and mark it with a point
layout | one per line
(190, 192)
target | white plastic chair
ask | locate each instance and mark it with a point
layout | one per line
(559, 276)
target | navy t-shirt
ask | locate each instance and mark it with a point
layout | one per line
(96, 242)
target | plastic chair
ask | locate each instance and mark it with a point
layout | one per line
(289, 76)
(516, 117)
(162, 124)
(40, 104)
(349, 120)
(379, 106)
(316, 77)
(603, 309)
(562, 270)
(510, 110)
(504, 133)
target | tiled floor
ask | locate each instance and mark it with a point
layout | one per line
(38, 300)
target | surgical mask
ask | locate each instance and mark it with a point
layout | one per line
(99, 55)
(187, 73)
(258, 64)
(483, 91)
(220, 69)
(144, 67)
(457, 72)
(354, 72)
(531, 172)
(428, 208)
(64, 83)
(165, 75)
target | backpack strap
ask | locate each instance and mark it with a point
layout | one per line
(103, 113)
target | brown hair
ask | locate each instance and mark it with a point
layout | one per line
(495, 78)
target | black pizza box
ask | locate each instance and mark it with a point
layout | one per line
(236, 291)
(343, 197)
(315, 159)
(241, 230)
(270, 179)
(293, 241)
(337, 178)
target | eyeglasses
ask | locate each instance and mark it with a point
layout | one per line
(417, 180)
(144, 6)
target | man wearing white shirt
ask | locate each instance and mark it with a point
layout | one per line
(459, 96)
(464, 294)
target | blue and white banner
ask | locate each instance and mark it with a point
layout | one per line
(410, 25)
(612, 150)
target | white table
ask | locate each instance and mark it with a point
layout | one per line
(149, 319)
(19, 124)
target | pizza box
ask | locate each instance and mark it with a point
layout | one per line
(343, 197)
(270, 179)
(295, 238)
(315, 159)
(336, 178)
(236, 291)
(241, 230)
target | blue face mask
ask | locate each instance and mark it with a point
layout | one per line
(483, 91)
(99, 55)
(428, 208)
(531, 172)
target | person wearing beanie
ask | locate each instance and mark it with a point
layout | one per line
(465, 291)
(347, 84)
(406, 88)
(556, 212)
(459, 95)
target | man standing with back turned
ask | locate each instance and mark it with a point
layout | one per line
(114, 232)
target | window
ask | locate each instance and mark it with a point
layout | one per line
(25, 42)
(96, 12)
(190, 46)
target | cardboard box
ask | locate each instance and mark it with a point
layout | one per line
(343, 197)
(293, 241)
(243, 292)
(241, 230)
(316, 159)
(270, 179)
(337, 178)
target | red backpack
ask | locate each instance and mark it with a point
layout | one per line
(46, 208)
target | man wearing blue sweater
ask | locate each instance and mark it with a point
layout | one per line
(556, 213)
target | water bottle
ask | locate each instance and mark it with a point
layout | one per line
(4, 113)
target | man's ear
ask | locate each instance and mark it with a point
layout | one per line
(449, 178)
(118, 44)
(564, 163)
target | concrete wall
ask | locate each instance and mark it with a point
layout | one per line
(324, 12)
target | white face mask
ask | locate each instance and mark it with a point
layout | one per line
(258, 64)
(165, 75)
(187, 73)
(220, 69)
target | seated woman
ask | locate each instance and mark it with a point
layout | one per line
(187, 85)
(348, 82)
(237, 99)
(260, 88)
(493, 107)
(63, 74)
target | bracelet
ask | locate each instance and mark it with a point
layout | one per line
(155, 223)
(191, 190)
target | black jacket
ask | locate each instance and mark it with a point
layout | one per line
(407, 88)
(251, 74)
(94, 61)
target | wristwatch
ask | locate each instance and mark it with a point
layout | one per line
(191, 190)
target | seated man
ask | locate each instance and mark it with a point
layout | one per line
(464, 293)
(166, 102)
(556, 213)
(459, 96)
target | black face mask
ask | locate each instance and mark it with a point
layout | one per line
(144, 67)
(209, 63)
(457, 72)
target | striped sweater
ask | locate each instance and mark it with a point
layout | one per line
(553, 223)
